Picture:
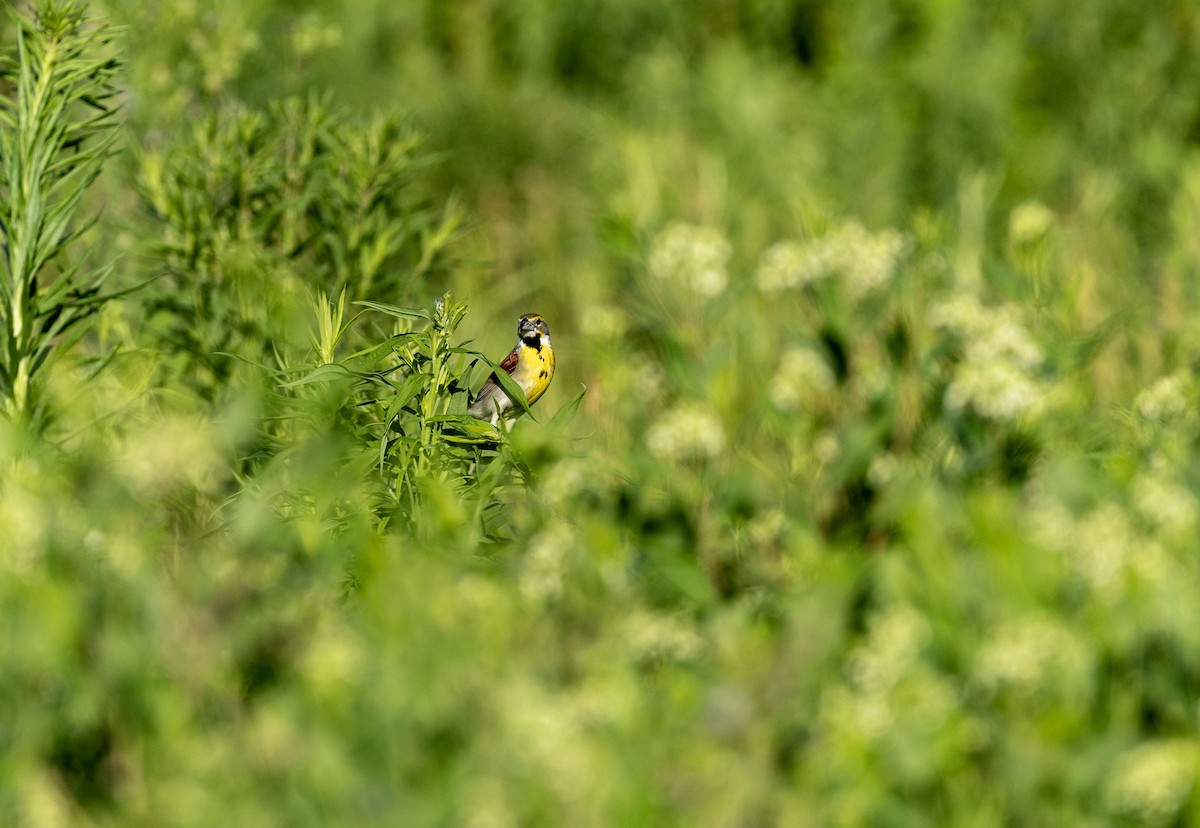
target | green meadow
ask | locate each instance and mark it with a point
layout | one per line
(865, 493)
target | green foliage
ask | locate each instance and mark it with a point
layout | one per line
(879, 508)
(251, 208)
(404, 404)
(57, 127)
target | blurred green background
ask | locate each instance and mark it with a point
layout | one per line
(879, 508)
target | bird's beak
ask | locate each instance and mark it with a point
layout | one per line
(527, 326)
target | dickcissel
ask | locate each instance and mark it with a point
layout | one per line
(531, 365)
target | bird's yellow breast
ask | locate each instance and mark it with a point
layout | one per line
(535, 369)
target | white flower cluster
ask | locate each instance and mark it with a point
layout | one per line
(885, 678)
(801, 373)
(686, 432)
(865, 260)
(960, 314)
(648, 381)
(1032, 656)
(1104, 543)
(1166, 398)
(896, 638)
(652, 636)
(827, 448)
(1103, 548)
(789, 264)
(1050, 522)
(995, 389)
(691, 256)
(995, 377)
(1153, 781)
(1165, 503)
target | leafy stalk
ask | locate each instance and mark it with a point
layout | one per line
(57, 128)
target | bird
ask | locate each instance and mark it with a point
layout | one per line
(531, 365)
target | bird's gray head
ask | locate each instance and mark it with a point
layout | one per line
(533, 329)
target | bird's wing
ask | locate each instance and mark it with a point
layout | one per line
(510, 362)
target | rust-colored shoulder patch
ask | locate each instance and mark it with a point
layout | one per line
(510, 361)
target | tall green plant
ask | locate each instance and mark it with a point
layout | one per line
(397, 412)
(57, 127)
(253, 208)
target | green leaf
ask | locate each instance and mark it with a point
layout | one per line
(323, 373)
(459, 403)
(388, 347)
(568, 410)
(407, 390)
(400, 313)
(479, 428)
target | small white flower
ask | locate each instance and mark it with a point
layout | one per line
(1102, 547)
(655, 636)
(691, 256)
(1005, 339)
(826, 448)
(1152, 781)
(897, 636)
(867, 261)
(1166, 504)
(648, 381)
(1166, 398)
(790, 264)
(995, 376)
(686, 432)
(996, 390)
(1033, 655)
(801, 373)
(864, 260)
(961, 314)
(1052, 524)
(886, 680)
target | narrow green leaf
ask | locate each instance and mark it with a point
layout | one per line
(378, 352)
(568, 410)
(322, 373)
(393, 310)
(408, 389)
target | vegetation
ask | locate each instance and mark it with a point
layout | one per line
(863, 494)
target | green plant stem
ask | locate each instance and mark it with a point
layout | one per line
(56, 131)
